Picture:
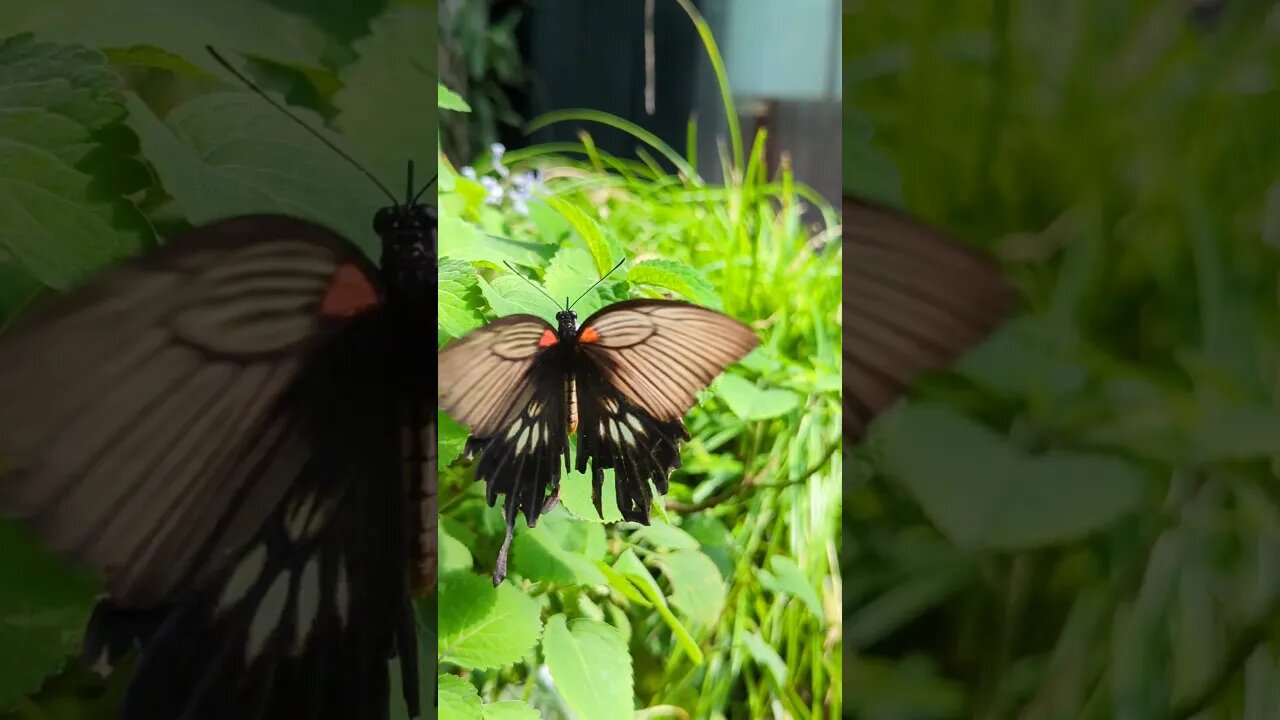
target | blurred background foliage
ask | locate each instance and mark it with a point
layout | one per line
(118, 129)
(726, 605)
(1082, 520)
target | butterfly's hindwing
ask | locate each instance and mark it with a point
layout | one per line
(302, 621)
(614, 433)
(523, 459)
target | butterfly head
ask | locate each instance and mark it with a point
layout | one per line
(408, 234)
(568, 322)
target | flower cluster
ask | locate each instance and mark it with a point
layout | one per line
(516, 188)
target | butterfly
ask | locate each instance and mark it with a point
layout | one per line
(622, 380)
(914, 299)
(235, 432)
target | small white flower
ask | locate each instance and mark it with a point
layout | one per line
(468, 172)
(498, 150)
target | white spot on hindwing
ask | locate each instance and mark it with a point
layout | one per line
(341, 595)
(308, 604)
(266, 620)
(246, 574)
(634, 422)
(306, 516)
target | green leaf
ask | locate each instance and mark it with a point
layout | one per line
(677, 276)
(447, 99)
(41, 618)
(1241, 433)
(55, 103)
(511, 295)
(749, 402)
(575, 494)
(182, 28)
(230, 154)
(788, 578)
(697, 590)
(451, 439)
(454, 554)
(461, 240)
(591, 667)
(383, 106)
(484, 627)
(554, 552)
(630, 567)
(458, 699)
(509, 710)
(996, 498)
(569, 275)
(665, 535)
(459, 298)
(588, 229)
(765, 656)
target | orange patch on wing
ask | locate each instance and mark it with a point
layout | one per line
(588, 335)
(548, 339)
(349, 293)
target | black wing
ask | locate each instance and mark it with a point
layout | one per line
(303, 622)
(507, 383)
(641, 366)
(914, 300)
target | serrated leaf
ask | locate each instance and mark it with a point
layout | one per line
(458, 699)
(383, 106)
(509, 710)
(227, 154)
(451, 439)
(575, 494)
(54, 101)
(765, 656)
(447, 99)
(676, 276)
(459, 296)
(788, 578)
(749, 402)
(556, 551)
(461, 240)
(484, 627)
(697, 590)
(591, 667)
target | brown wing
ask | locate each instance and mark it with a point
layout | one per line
(482, 376)
(140, 430)
(660, 353)
(914, 300)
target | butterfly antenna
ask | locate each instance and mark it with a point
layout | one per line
(315, 133)
(408, 186)
(593, 285)
(423, 190)
(531, 283)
